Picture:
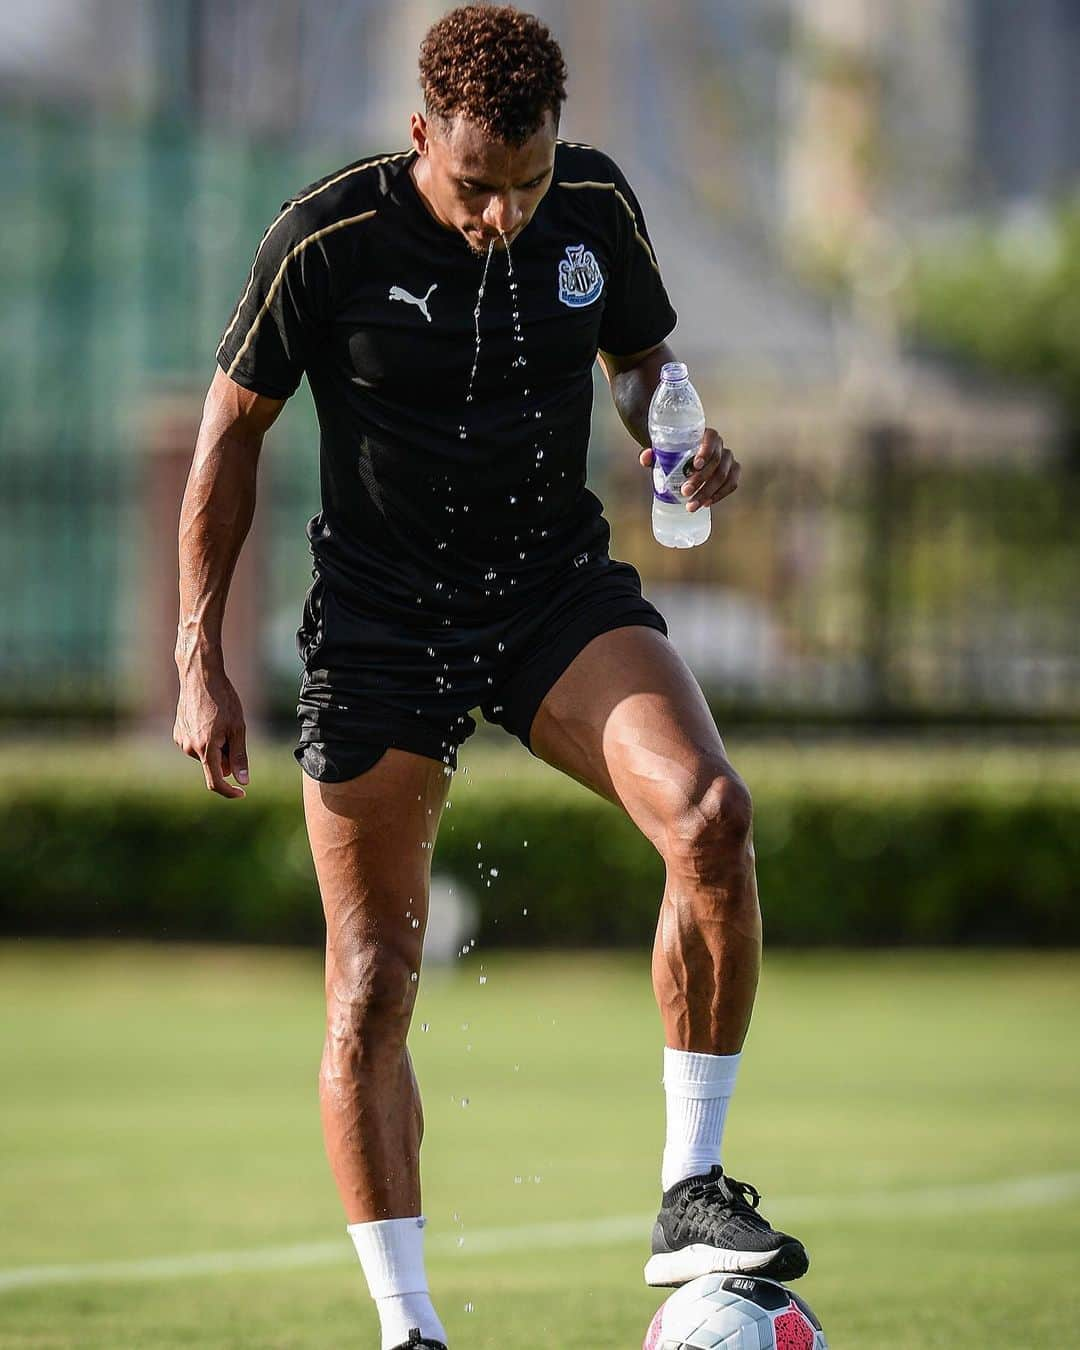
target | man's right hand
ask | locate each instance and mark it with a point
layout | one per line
(210, 728)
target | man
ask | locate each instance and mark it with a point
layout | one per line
(447, 304)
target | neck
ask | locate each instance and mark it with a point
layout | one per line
(419, 172)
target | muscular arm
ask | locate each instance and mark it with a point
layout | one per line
(217, 510)
(633, 380)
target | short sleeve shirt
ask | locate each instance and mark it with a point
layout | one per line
(453, 390)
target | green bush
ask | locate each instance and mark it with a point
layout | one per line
(904, 852)
(1006, 294)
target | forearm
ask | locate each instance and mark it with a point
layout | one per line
(216, 515)
(632, 391)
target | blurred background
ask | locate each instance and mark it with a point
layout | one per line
(868, 217)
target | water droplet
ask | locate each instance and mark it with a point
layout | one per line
(416, 923)
(483, 980)
(494, 871)
(502, 646)
(464, 1103)
(425, 1026)
(414, 976)
(525, 910)
(469, 1307)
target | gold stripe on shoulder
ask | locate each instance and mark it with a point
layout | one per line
(610, 187)
(330, 182)
(276, 284)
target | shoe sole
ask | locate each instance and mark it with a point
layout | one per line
(670, 1269)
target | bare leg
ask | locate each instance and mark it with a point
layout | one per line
(628, 719)
(371, 839)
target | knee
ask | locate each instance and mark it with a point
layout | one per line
(369, 998)
(708, 832)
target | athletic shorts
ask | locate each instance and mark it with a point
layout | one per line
(371, 682)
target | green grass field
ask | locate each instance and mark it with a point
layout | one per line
(912, 1116)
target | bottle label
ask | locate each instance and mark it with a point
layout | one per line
(671, 469)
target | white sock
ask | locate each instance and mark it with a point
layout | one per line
(698, 1089)
(391, 1251)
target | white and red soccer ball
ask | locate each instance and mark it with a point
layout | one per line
(734, 1312)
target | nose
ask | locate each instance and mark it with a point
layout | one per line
(502, 213)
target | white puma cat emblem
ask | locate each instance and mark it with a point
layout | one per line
(400, 293)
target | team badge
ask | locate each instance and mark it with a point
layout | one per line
(580, 278)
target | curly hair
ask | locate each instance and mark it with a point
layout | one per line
(496, 66)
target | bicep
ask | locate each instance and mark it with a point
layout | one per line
(617, 365)
(232, 409)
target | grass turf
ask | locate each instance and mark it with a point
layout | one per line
(160, 1101)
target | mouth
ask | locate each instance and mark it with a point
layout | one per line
(481, 241)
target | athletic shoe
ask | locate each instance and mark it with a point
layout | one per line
(416, 1342)
(709, 1224)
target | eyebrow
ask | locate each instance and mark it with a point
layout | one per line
(490, 187)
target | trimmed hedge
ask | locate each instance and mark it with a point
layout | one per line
(888, 858)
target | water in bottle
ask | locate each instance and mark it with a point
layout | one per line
(676, 426)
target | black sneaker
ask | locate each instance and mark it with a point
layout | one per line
(710, 1225)
(417, 1342)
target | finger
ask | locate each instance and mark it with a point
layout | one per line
(215, 780)
(714, 473)
(238, 754)
(712, 443)
(725, 489)
(645, 459)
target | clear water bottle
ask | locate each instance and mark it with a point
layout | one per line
(676, 426)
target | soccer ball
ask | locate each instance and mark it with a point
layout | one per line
(734, 1312)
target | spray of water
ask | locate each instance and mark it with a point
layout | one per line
(476, 320)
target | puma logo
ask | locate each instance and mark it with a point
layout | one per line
(400, 293)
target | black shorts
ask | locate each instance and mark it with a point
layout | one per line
(371, 682)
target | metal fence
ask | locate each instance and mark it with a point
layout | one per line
(876, 586)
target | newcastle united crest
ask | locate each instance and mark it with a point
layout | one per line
(580, 278)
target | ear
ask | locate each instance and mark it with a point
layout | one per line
(418, 133)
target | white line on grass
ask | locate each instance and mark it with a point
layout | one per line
(1052, 1188)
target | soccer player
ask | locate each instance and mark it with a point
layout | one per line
(447, 304)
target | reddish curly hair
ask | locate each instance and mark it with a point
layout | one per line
(496, 66)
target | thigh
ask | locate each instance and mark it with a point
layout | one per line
(372, 839)
(628, 719)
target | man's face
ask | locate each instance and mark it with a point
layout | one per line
(482, 188)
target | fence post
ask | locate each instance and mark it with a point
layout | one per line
(883, 444)
(168, 440)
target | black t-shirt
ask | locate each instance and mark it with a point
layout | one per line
(433, 503)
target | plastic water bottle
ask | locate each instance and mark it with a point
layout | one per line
(676, 426)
